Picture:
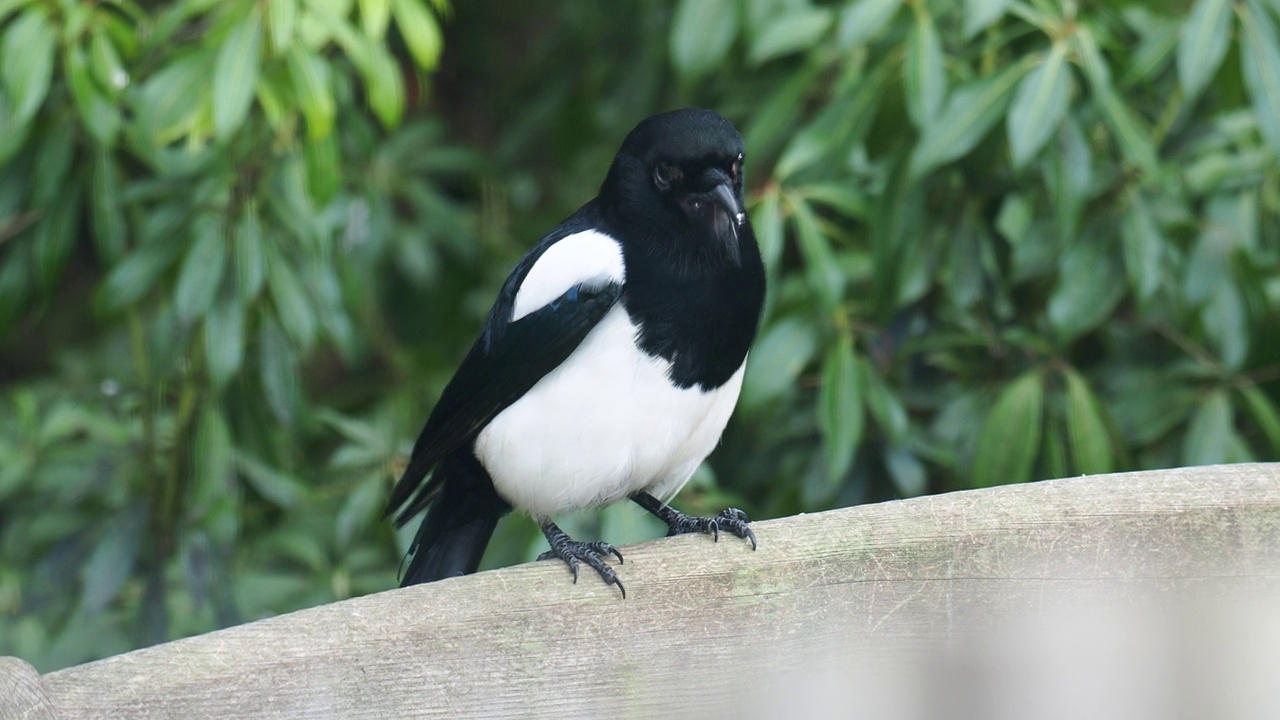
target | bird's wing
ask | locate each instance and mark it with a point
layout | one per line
(554, 297)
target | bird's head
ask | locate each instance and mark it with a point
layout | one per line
(678, 180)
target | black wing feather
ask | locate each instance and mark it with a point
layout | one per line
(500, 368)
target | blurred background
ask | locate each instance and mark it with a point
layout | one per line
(244, 244)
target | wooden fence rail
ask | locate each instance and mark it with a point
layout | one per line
(1140, 589)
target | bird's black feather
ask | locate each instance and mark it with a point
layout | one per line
(492, 378)
(690, 282)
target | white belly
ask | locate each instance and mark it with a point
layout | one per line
(605, 424)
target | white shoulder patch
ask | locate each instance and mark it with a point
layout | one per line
(589, 257)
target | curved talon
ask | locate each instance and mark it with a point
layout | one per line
(574, 552)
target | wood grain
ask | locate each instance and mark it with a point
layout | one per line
(711, 629)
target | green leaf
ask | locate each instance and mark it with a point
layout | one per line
(909, 475)
(53, 163)
(114, 555)
(292, 306)
(9, 7)
(797, 29)
(251, 261)
(282, 18)
(1090, 285)
(1053, 452)
(360, 511)
(105, 207)
(864, 19)
(1260, 58)
(315, 97)
(324, 176)
(1227, 324)
(970, 112)
(374, 17)
(702, 31)
(1133, 139)
(278, 366)
(924, 77)
(1039, 105)
(100, 116)
(170, 100)
(26, 62)
(783, 350)
(213, 460)
(981, 14)
(1210, 434)
(766, 221)
(276, 486)
(840, 412)
(825, 278)
(224, 340)
(1091, 450)
(55, 235)
(1068, 176)
(105, 64)
(1006, 451)
(236, 74)
(385, 87)
(1264, 414)
(202, 269)
(1143, 248)
(421, 32)
(884, 404)
(135, 276)
(1202, 44)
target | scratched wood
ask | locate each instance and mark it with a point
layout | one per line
(705, 627)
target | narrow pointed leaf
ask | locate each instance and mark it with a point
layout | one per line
(1010, 435)
(981, 14)
(1039, 104)
(864, 19)
(702, 31)
(421, 32)
(1202, 43)
(840, 412)
(236, 74)
(924, 77)
(26, 62)
(202, 269)
(224, 340)
(1090, 443)
(1210, 434)
(969, 114)
(1260, 57)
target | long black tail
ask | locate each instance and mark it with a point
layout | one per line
(458, 525)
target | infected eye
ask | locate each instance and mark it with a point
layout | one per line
(664, 175)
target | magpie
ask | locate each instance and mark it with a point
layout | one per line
(609, 364)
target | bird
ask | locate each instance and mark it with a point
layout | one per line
(607, 367)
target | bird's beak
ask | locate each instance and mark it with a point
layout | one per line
(729, 219)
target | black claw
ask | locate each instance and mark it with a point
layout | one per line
(572, 551)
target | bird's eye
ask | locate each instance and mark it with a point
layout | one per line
(664, 175)
(736, 170)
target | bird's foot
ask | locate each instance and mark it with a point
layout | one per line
(731, 520)
(574, 551)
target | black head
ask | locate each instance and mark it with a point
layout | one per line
(676, 187)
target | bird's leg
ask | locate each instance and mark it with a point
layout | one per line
(730, 519)
(571, 551)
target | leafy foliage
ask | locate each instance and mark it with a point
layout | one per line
(244, 244)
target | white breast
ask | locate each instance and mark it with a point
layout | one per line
(605, 424)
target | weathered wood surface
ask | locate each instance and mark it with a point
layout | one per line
(827, 602)
(23, 695)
